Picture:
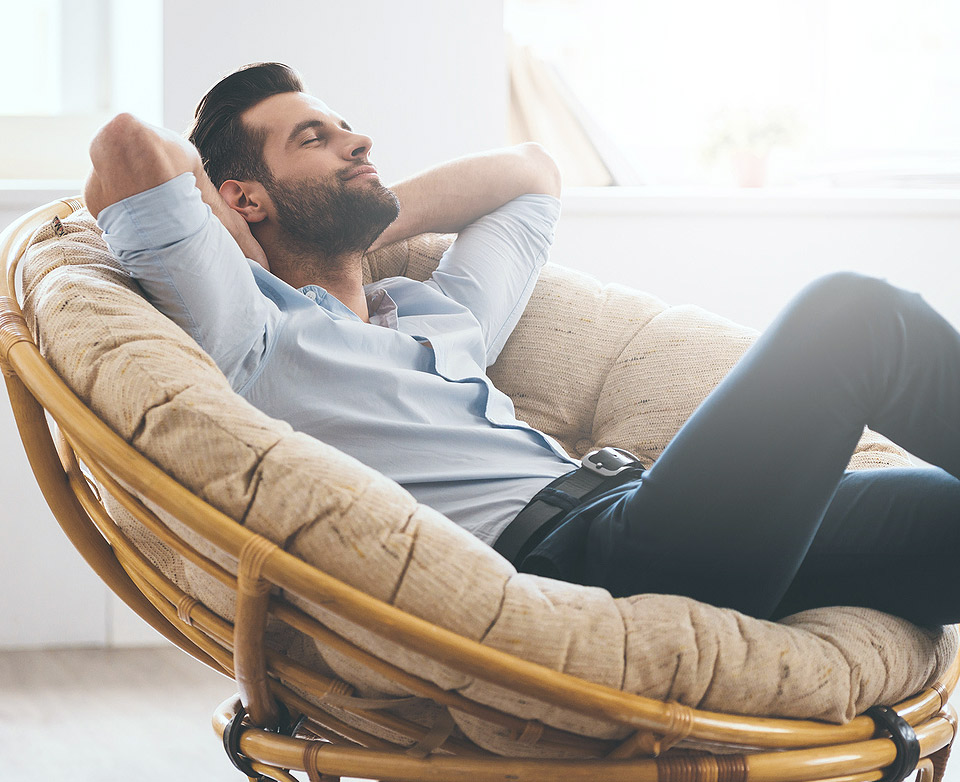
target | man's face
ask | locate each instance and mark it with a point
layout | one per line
(326, 196)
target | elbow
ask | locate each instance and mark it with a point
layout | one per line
(114, 152)
(116, 139)
(105, 148)
(130, 156)
(544, 170)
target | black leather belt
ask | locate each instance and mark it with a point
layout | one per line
(600, 470)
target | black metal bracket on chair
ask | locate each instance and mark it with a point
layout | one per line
(231, 739)
(905, 739)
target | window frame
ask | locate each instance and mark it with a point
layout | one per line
(122, 70)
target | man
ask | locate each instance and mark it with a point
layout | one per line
(394, 373)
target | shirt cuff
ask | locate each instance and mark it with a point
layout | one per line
(538, 210)
(156, 217)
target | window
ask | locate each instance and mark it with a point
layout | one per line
(786, 92)
(69, 65)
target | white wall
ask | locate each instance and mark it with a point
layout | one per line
(744, 254)
(425, 78)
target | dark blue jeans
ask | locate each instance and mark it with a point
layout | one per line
(750, 507)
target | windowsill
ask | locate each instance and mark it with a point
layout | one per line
(33, 185)
(780, 201)
(587, 201)
(15, 193)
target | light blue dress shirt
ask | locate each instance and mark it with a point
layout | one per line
(406, 393)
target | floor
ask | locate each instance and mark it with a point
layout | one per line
(92, 716)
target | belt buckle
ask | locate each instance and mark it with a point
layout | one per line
(608, 461)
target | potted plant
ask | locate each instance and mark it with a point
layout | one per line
(745, 137)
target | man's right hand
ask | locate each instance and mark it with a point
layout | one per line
(130, 156)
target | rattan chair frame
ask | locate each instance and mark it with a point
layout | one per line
(59, 433)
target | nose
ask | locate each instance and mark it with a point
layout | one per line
(357, 146)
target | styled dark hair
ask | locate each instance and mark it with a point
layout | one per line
(229, 149)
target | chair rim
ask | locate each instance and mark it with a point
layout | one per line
(863, 758)
(30, 378)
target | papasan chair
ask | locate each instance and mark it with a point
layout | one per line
(370, 636)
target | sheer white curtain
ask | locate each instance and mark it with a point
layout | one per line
(541, 110)
(870, 89)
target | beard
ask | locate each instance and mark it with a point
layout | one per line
(331, 218)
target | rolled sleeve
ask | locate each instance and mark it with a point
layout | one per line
(193, 271)
(493, 266)
(155, 218)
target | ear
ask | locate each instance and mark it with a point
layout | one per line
(247, 198)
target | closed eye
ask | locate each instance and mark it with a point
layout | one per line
(311, 140)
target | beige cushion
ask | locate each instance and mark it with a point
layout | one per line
(591, 365)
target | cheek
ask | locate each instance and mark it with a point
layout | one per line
(317, 166)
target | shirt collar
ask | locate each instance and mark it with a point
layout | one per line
(381, 308)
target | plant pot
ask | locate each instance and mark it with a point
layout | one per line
(750, 168)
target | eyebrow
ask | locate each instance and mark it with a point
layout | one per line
(306, 124)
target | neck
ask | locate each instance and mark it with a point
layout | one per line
(341, 276)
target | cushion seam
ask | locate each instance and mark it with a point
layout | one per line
(616, 360)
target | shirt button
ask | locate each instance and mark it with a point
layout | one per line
(312, 295)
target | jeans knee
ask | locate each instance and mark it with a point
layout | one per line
(847, 299)
(850, 291)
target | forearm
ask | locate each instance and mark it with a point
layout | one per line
(130, 157)
(447, 198)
